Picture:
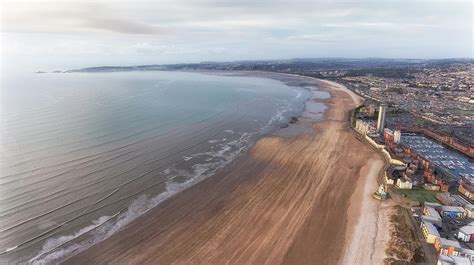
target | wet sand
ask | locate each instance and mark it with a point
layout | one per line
(289, 200)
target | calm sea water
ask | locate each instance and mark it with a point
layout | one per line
(84, 154)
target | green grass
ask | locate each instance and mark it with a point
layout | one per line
(420, 195)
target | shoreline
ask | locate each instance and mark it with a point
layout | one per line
(238, 198)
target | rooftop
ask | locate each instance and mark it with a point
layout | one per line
(449, 260)
(432, 204)
(447, 243)
(467, 230)
(431, 228)
(430, 219)
(469, 207)
(432, 212)
(452, 209)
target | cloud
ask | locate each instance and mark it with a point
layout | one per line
(122, 26)
(71, 17)
(312, 38)
(156, 31)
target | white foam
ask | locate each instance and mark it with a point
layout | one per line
(50, 250)
(217, 141)
(56, 249)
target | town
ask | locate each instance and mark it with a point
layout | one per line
(430, 176)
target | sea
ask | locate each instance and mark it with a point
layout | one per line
(84, 154)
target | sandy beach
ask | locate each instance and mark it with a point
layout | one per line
(303, 199)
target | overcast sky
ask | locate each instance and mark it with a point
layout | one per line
(65, 34)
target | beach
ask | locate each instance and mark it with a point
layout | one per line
(295, 198)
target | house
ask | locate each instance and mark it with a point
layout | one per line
(429, 231)
(444, 186)
(441, 181)
(466, 233)
(389, 180)
(466, 188)
(404, 184)
(391, 175)
(428, 175)
(431, 187)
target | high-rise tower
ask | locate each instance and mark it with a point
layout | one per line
(381, 119)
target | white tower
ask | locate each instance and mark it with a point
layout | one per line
(381, 119)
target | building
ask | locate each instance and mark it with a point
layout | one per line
(404, 184)
(467, 253)
(432, 213)
(447, 247)
(363, 127)
(437, 210)
(452, 211)
(429, 231)
(447, 199)
(388, 135)
(388, 180)
(381, 193)
(466, 233)
(469, 210)
(438, 222)
(391, 175)
(381, 118)
(431, 187)
(397, 137)
(461, 200)
(371, 111)
(453, 260)
(368, 110)
(466, 188)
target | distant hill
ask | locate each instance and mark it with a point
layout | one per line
(304, 64)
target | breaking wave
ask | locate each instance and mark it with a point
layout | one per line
(59, 248)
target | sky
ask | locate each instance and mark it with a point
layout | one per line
(65, 34)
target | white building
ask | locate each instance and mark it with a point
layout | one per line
(364, 127)
(404, 184)
(397, 135)
(466, 233)
(381, 118)
(469, 210)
